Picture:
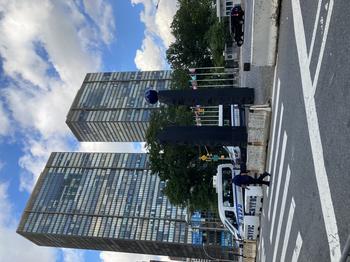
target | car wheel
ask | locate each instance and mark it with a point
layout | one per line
(240, 42)
(241, 22)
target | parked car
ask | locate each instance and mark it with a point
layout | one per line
(239, 210)
(237, 24)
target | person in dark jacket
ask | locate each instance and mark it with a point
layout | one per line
(243, 180)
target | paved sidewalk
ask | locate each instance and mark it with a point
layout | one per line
(261, 79)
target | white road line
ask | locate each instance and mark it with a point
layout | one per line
(323, 45)
(252, 33)
(275, 162)
(262, 250)
(275, 111)
(280, 219)
(315, 137)
(298, 244)
(315, 31)
(288, 229)
(278, 186)
(274, 83)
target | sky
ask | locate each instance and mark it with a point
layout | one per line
(46, 49)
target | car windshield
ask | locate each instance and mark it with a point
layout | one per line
(231, 217)
(227, 190)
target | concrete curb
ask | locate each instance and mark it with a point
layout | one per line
(265, 32)
(258, 133)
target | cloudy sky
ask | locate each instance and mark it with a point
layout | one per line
(46, 48)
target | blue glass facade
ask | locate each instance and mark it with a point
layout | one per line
(110, 107)
(105, 201)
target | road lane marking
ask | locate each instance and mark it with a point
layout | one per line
(280, 219)
(298, 244)
(275, 110)
(315, 31)
(252, 33)
(262, 256)
(275, 162)
(323, 45)
(261, 246)
(315, 137)
(278, 186)
(288, 230)
(274, 107)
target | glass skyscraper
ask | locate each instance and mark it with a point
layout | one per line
(110, 107)
(107, 201)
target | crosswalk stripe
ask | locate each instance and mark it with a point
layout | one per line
(315, 31)
(288, 229)
(298, 244)
(324, 191)
(275, 110)
(323, 45)
(280, 219)
(275, 162)
(279, 179)
(262, 256)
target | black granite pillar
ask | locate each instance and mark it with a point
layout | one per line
(204, 135)
(207, 97)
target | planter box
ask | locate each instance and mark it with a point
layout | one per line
(256, 158)
(258, 126)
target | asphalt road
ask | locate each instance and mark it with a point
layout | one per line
(306, 215)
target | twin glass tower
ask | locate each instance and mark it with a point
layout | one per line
(110, 201)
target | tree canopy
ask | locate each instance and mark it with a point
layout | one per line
(199, 42)
(191, 23)
(188, 179)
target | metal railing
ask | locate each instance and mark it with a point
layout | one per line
(208, 115)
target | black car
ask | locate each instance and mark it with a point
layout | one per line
(237, 24)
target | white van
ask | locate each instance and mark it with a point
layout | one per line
(238, 210)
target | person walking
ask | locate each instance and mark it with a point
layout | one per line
(243, 180)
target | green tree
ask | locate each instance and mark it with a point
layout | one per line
(199, 42)
(216, 37)
(187, 179)
(180, 79)
(190, 24)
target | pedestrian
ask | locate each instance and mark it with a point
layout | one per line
(243, 180)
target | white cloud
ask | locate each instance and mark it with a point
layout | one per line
(14, 247)
(19, 26)
(36, 154)
(119, 147)
(2, 164)
(128, 257)
(72, 255)
(102, 14)
(157, 23)
(147, 15)
(163, 19)
(151, 56)
(4, 122)
(25, 24)
(44, 111)
(47, 47)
